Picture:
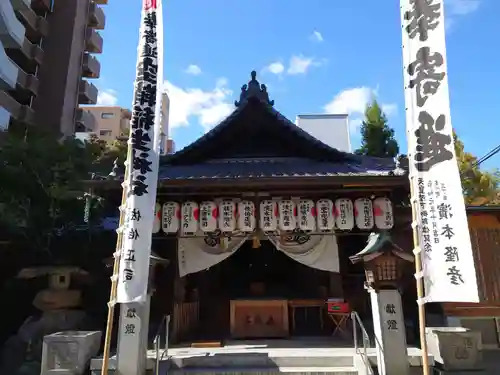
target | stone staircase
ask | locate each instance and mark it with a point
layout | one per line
(274, 362)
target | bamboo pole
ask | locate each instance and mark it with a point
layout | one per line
(116, 270)
(419, 281)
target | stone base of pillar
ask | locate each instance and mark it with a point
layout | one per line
(390, 332)
(133, 338)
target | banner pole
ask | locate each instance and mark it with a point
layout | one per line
(420, 283)
(116, 268)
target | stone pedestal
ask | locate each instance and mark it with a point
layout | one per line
(455, 348)
(390, 333)
(133, 338)
(69, 353)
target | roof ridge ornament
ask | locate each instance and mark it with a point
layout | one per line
(254, 90)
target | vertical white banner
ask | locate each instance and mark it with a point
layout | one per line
(144, 141)
(447, 259)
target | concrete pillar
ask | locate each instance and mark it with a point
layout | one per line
(133, 338)
(390, 331)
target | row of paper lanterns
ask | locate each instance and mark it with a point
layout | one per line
(229, 216)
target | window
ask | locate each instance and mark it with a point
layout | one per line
(107, 115)
(105, 133)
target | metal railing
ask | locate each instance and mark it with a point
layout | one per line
(165, 323)
(356, 321)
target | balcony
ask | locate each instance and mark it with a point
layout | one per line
(8, 71)
(41, 6)
(87, 93)
(11, 29)
(28, 57)
(36, 26)
(85, 119)
(27, 82)
(20, 112)
(97, 18)
(93, 41)
(21, 4)
(27, 115)
(32, 51)
(9, 104)
(91, 66)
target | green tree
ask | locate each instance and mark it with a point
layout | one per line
(42, 184)
(377, 138)
(479, 187)
(104, 154)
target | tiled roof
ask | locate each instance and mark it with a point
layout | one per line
(280, 118)
(280, 167)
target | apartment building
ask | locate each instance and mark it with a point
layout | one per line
(110, 122)
(47, 59)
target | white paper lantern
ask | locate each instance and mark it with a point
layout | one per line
(227, 216)
(208, 216)
(306, 215)
(363, 210)
(171, 217)
(287, 215)
(246, 216)
(157, 219)
(382, 210)
(325, 213)
(268, 216)
(344, 214)
(189, 217)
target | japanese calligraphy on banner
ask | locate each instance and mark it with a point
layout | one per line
(141, 181)
(447, 259)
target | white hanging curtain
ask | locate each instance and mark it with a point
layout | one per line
(319, 252)
(200, 253)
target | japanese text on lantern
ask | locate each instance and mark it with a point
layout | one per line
(170, 217)
(324, 214)
(227, 215)
(246, 216)
(190, 211)
(367, 214)
(287, 215)
(204, 215)
(306, 212)
(143, 112)
(267, 215)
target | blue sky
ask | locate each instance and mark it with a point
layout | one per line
(314, 56)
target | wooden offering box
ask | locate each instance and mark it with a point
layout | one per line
(259, 318)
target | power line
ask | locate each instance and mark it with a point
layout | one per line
(484, 158)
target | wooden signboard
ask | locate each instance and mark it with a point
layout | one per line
(259, 318)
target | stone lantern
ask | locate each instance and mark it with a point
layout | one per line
(58, 297)
(385, 264)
